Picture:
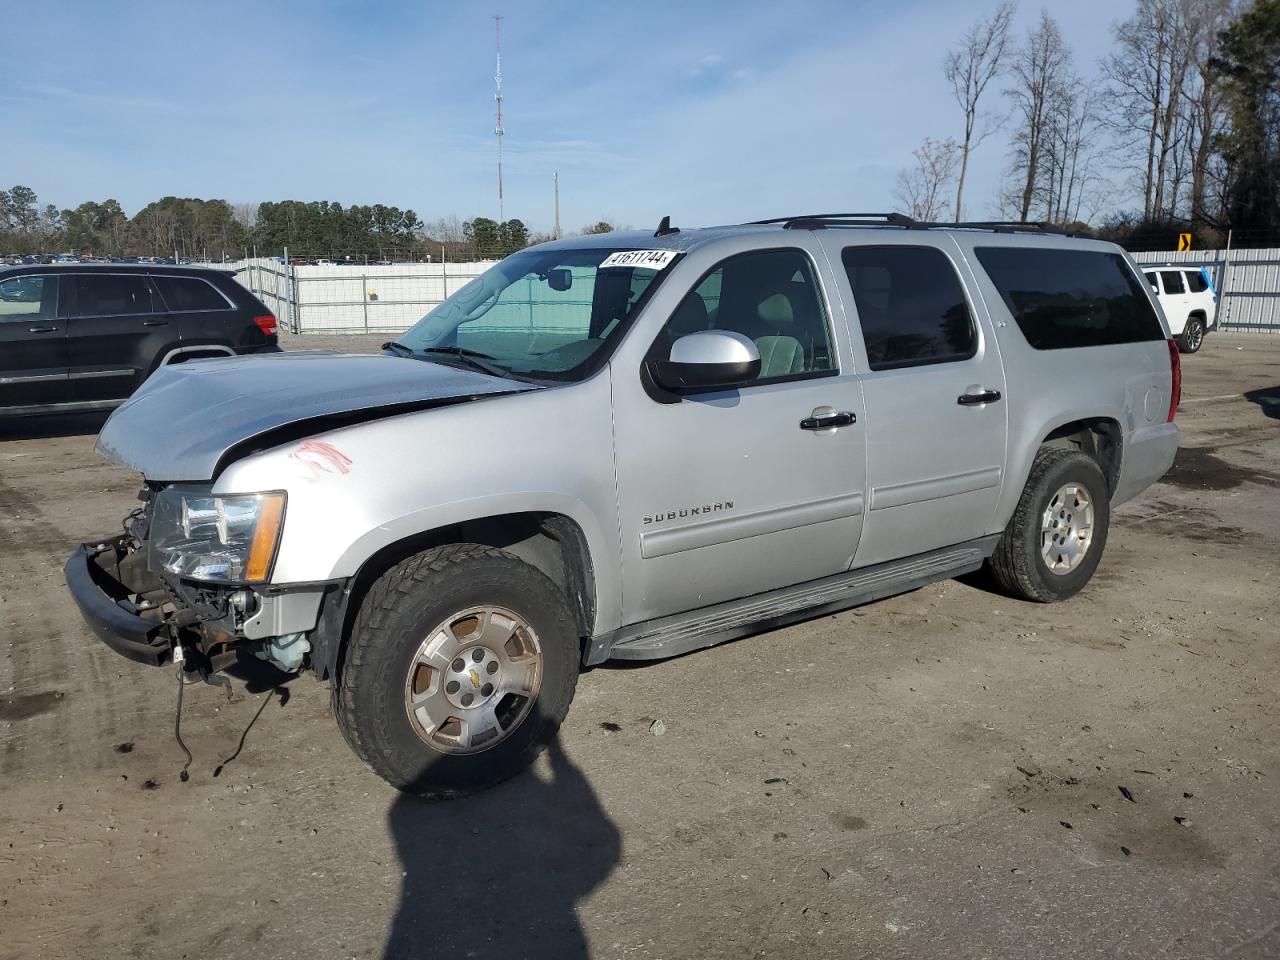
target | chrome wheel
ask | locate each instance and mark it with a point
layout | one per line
(1066, 528)
(1194, 335)
(473, 680)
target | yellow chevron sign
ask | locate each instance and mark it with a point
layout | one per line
(1184, 242)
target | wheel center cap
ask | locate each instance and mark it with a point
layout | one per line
(472, 678)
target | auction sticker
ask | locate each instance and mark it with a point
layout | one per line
(647, 259)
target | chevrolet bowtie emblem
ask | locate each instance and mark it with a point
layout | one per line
(475, 678)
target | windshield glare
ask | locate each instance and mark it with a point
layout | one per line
(537, 314)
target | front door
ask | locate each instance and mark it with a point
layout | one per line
(734, 492)
(934, 391)
(117, 329)
(33, 343)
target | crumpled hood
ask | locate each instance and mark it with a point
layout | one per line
(186, 416)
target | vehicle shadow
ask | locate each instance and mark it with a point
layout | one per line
(499, 873)
(1268, 399)
(54, 425)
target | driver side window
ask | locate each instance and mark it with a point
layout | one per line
(771, 297)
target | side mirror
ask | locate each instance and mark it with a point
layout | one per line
(707, 360)
(559, 279)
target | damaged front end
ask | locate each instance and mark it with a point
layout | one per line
(187, 581)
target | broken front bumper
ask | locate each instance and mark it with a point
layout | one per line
(104, 604)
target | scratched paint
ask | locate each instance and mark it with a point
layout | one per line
(320, 460)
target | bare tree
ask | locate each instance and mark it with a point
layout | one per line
(1148, 75)
(1206, 102)
(246, 214)
(1068, 168)
(969, 68)
(1039, 73)
(922, 188)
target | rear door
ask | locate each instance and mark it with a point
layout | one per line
(117, 330)
(33, 342)
(1200, 294)
(204, 315)
(933, 386)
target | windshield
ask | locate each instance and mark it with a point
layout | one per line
(541, 314)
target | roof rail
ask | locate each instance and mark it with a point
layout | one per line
(1007, 226)
(819, 221)
(811, 221)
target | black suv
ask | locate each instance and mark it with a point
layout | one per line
(80, 337)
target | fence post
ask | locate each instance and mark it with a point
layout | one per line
(1224, 320)
(364, 300)
(444, 277)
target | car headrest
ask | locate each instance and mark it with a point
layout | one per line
(776, 311)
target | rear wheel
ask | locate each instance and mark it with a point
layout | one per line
(1192, 335)
(461, 666)
(1054, 541)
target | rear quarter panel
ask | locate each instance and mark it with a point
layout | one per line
(1128, 383)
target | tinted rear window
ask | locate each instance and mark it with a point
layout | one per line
(1196, 281)
(1173, 281)
(190, 293)
(1071, 298)
(910, 306)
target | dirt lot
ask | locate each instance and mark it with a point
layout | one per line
(948, 773)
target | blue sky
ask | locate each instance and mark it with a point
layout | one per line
(711, 112)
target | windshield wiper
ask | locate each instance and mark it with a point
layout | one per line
(399, 347)
(473, 358)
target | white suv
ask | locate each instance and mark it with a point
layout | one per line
(1189, 301)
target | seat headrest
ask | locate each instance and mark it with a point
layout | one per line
(776, 311)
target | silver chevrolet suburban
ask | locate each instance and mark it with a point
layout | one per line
(632, 446)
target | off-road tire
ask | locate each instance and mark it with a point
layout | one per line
(1192, 337)
(1017, 564)
(401, 607)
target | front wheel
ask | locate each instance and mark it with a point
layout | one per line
(460, 669)
(1055, 538)
(1192, 335)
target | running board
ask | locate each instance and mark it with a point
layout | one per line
(695, 629)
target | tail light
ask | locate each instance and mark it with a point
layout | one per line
(1175, 390)
(267, 324)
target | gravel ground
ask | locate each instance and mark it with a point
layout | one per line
(947, 772)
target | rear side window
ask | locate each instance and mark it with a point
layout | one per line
(183, 294)
(1196, 282)
(1173, 281)
(1071, 298)
(112, 295)
(910, 305)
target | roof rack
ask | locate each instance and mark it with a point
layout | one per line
(812, 221)
(820, 221)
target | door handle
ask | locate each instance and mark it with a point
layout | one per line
(973, 399)
(155, 323)
(42, 329)
(828, 422)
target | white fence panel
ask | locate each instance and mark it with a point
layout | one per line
(1247, 281)
(332, 298)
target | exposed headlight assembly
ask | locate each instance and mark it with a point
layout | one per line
(230, 539)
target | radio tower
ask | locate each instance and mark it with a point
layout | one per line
(497, 130)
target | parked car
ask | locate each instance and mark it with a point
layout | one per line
(84, 337)
(632, 446)
(1189, 302)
